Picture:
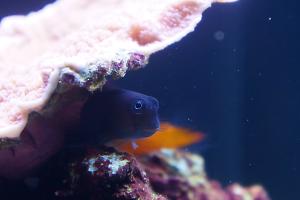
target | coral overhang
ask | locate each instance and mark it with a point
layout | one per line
(80, 42)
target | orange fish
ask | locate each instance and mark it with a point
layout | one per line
(169, 136)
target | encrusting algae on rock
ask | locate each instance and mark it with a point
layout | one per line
(107, 174)
(166, 174)
(116, 162)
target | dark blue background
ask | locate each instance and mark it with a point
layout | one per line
(242, 91)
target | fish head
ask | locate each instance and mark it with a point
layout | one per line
(119, 114)
(142, 114)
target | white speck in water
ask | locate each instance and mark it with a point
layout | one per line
(219, 35)
(270, 18)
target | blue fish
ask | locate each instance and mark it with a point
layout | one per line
(117, 114)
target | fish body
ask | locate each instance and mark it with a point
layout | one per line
(129, 121)
(169, 136)
(115, 113)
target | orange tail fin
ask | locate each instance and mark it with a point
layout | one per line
(169, 136)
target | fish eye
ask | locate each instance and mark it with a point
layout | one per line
(138, 106)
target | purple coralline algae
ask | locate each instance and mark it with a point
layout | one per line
(167, 174)
(180, 175)
(108, 174)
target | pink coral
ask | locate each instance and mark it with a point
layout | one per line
(86, 38)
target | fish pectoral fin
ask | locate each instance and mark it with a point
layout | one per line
(134, 145)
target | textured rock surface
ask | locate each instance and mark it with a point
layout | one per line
(107, 174)
(80, 42)
(181, 176)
